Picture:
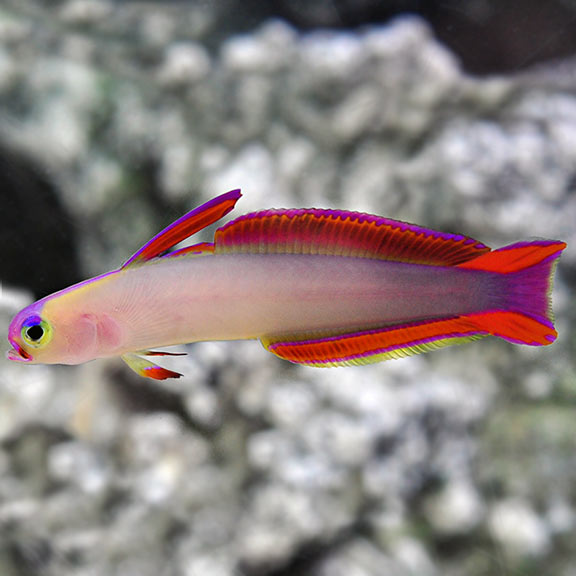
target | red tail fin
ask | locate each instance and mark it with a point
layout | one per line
(525, 315)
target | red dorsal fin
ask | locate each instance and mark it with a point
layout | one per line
(340, 233)
(184, 227)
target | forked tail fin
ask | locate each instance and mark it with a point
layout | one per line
(524, 315)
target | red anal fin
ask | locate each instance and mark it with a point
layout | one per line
(369, 346)
(341, 233)
(377, 345)
(185, 226)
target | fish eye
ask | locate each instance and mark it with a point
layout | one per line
(36, 332)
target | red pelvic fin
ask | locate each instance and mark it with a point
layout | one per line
(159, 373)
(146, 368)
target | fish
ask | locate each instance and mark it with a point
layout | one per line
(317, 287)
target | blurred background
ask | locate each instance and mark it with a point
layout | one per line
(116, 117)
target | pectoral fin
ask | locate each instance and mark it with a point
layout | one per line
(147, 369)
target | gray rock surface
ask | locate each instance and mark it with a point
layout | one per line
(457, 463)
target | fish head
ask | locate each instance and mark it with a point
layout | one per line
(28, 334)
(42, 334)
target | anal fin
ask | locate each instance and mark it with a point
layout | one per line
(373, 345)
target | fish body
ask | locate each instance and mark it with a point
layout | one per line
(317, 287)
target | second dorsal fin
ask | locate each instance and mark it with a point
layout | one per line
(340, 233)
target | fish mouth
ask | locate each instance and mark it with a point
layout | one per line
(18, 354)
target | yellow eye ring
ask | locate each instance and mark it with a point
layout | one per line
(36, 332)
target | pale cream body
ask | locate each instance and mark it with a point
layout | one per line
(227, 297)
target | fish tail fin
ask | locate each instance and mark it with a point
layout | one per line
(523, 313)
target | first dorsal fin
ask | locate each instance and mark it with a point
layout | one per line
(184, 227)
(340, 233)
